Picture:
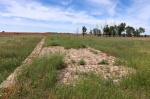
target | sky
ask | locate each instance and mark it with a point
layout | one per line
(70, 15)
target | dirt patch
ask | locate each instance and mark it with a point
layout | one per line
(12, 78)
(94, 62)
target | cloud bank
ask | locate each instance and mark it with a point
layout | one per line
(67, 15)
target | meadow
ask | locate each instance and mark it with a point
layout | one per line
(39, 78)
(13, 50)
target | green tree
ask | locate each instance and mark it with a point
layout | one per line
(121, 28)
(112, 31)
(116, 30)
(141, 30)
(129, 31)
(84, 29)
(138, 32)
(106, 30)
(97, 31)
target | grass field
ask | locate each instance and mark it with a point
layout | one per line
(13, 50)
(38, 80)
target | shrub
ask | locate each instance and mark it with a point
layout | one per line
(83, 45)
(82, 62)
(103, 62)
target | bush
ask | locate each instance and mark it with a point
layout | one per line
(103, 62)
(82, 62)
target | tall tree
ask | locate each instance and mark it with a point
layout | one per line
(112, 31)
(141, 30)
(121, 28)
(97, 31)
(138, 32)
(84, 29)
(130, 31)
(106, 30)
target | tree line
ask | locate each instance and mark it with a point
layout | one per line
(115, 30)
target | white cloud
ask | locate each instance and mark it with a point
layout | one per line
(104, 6)
(23, 12)
(35, 10)
(101, 2)
(66, 2)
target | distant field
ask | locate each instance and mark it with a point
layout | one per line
(7, 34)
(13, 50)
(10, 34)
(38, 79)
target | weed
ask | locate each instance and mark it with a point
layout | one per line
(83, 46)
(103, 62)
(82, 62)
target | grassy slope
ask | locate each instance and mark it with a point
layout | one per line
(135, 53)
(13, 50)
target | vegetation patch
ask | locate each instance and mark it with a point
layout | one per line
(39, 78)
(13, 50)
(82, 62)
(103, 62)
(65, 41)
(119, 62)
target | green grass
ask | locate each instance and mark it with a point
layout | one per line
(91, 87)
(135, 53)
(103, 62)
(39, 79)
(68, 42)
(82, 62)
(13, 50)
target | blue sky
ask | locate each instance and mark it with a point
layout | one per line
(68, 15)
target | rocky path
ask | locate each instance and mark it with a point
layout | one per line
(12, 78)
